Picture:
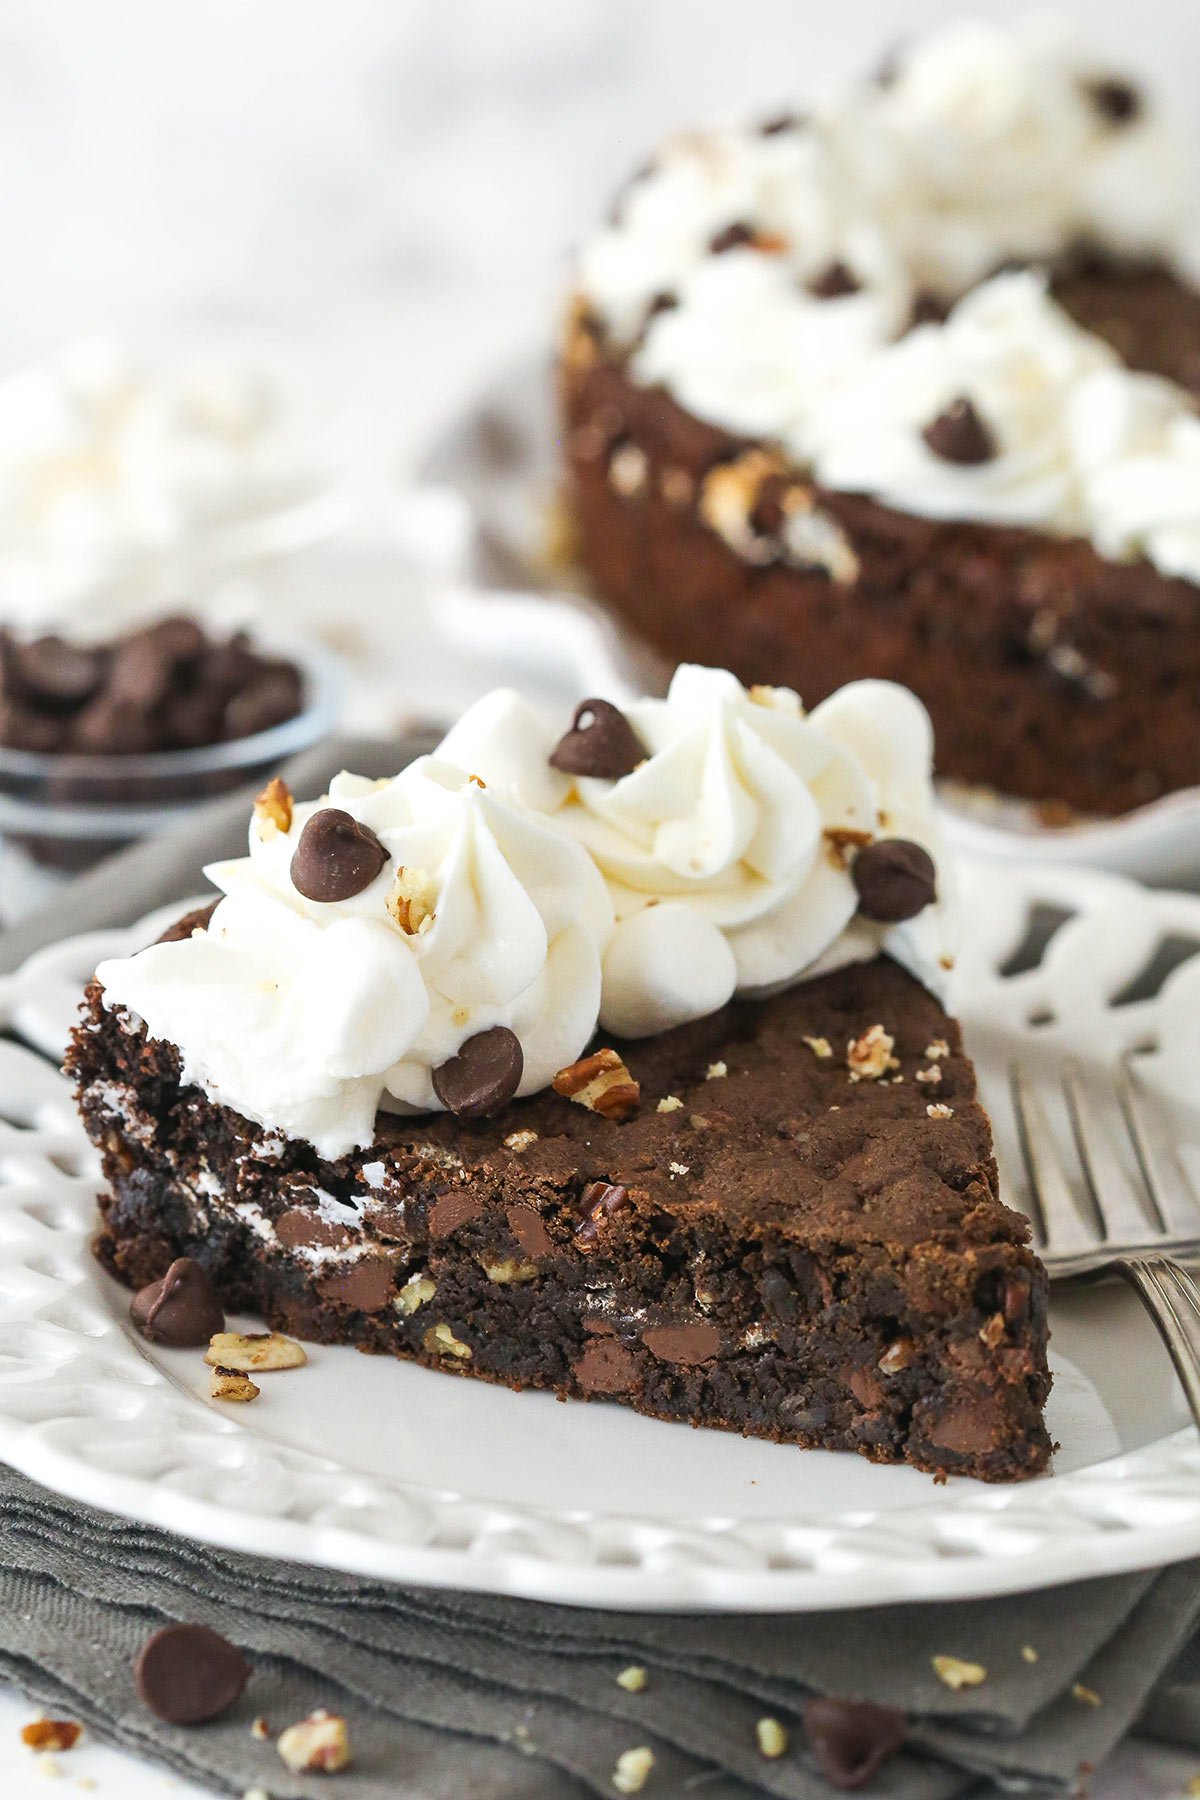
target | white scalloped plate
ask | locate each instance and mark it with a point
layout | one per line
(373, 1466)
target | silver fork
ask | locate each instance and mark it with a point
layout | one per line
(1122, 1217)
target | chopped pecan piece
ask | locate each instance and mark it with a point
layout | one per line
(51, 1734)
(869, 1057)
(273, 808)
(255, 1351)
(602, 1083)
(319, 1743)
(598, 1201)
(232, 1384)
(411, 900)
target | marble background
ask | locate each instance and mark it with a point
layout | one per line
(396, 180)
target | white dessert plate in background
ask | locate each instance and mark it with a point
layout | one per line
(374, 1466)
(510, 595)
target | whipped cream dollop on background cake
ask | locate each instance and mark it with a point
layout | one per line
(769, 276)
(492, 895)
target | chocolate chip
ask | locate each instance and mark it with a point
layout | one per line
(196, 719)
(59, 674)
(140, 672)
(112, 727)
(959, 435)
(1115, 100)
(601, 742)
(450, 1212)
(732, 237)
(23, 729)
(303, 1228)
(176, 637)
(598, 1201)
(783, 122)
(484, 1076)
(367, 1285)
(530, 1231)
(894, 878)
(163, 687)
(267, 700)
(606, 1367)
(188, 1674)
(927, 308)
(852, 1738)
(834, 282)
(229, 665)
(336, 857)
(179, 1310)
(686, 1344)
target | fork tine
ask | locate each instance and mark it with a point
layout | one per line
(1061, 1226)
(1170, 1296)
(1120, 1207)
(1171, 1198)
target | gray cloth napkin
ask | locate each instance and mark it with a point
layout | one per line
(465, 1697)
(454, 1695)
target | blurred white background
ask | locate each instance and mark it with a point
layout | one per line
(396, 180)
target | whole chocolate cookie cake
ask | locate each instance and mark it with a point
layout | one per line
(904, 386)
(600, 1055)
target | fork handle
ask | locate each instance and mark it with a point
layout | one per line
(1172, 1299)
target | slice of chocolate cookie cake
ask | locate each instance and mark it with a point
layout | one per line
(589, 1063)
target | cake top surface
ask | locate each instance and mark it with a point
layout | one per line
(778, 1124)
(450, 938)
(778, 280)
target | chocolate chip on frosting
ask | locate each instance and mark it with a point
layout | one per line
(1117, 101)
(895, 879)
(959, 435)
(783, 122)
(834, 282)
(188, 1674)
(484, 1076)
(601, 742)
(336, 857)
(731, 237)
(179, 1310)
(852, 1739)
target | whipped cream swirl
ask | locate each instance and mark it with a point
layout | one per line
(725, 850)
(308, 1016)
(1020, 361)
(985, 144)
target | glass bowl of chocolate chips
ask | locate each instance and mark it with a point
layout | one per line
(104, 743)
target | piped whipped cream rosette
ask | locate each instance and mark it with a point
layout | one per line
(411, 944)
(744, 844)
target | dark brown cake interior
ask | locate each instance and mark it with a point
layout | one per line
(768, 1246)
